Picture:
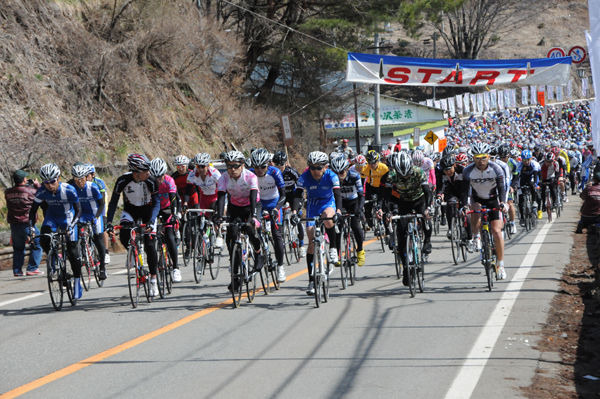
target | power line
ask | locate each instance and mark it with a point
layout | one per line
(285, 26)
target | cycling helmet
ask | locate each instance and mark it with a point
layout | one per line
(260, 157)
(280, 158)
(418, 157)
(336, 154)
(436, 156)
(503, 151)
(515, 152)
(138, 162)
(372, 156)
(526, 154)
(158, 167)
(222, 155)
(447, 162)
(481, 148)
(248, 163)
(360, 160)
(402, 163)
(571, 153)
(202, 159)
(80, 170)
(339, 164)
(447, 151)
(234, 156)
(181, 160)
(462, 159)
(92, 168)
(50, 171)
(427, 165)
(317, 158)
(550, 156)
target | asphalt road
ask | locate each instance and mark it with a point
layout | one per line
(371, 340)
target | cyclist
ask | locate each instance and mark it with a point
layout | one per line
(272, 198)
(454, 189)
(353, 201)
(574, 161)
(182, 165)
(140, 202)
(103, 190)
(240, 186)
(169, 206)
(62, 212)
(487, 184)
(204, 179)
(345, 149)
(550, 174)
(374, 172)
(92, 208)
(502, 154)
(529, 176)
(290, 177)
(406, 190)
(324, 199)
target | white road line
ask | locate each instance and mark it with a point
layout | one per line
(465, 382)
(119, 272)
(21, 298)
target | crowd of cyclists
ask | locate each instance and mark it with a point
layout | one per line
(488, 162)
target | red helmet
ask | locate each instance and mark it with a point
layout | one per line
(462, 158)
(345, 141)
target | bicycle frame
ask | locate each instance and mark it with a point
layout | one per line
(414, 250)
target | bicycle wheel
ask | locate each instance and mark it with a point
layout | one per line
(345, 259)
(251, 281)
(96, 268)
(436, 221)
(287, 242)
(295, 242)
(133, 280)
(317, 276)
(55, 285)
(455, 240)
(169, 274)
(486, 258)
(161, 270)
(273, 272)
(381, 236)
(325, 278)
(397, 258)
(86, 266)
(354, 261)
(144, 276)
(548, 205)
(264, 273)
(412, 263)
(199, 258)
(236, 281)
(214, 257)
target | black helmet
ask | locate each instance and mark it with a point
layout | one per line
(372, 156)
(503, 151)
(448, 161)
(280, 158)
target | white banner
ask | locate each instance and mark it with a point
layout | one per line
(474, 102)
(494, 99)
(593, 44)
(409, 71)
(444, 103)
(570, 89)
(437, 104)
(451, 108)
(584, 87)
(525, 95)
(500, 100)
(486, 100)
(549, 93)
(430, 103)
(480, 103)
(459, 104)
(533, 93)
(507, 98)
(559, 93)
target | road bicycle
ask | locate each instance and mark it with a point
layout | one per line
(415, 259)
(202, 249)
(138, 275)
(458, 232)
(59, 281)
(90, 260)
(377, 222)
(321, 263)
(436, 217)
(291, 243)
(550, 206)
(488, 248)
(348, 252)
(529, 210)
(164, 267)
(241, 263)
(269, 270)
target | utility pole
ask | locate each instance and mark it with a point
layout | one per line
(434, 37)
(356, 131)
(376, 105)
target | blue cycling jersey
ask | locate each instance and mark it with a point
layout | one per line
(269, 186)
(351, 186)
(100, 183)
(89, 197)
(529, 173)
(60, 211)
(319, 192)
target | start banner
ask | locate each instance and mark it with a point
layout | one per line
(409, 71)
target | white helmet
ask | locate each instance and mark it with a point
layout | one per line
(181, 160)
(339, 164)
(50, 171)
(202, 159)
(234, 156)
(260, 157)
(317, 158)
(80, 170)
(401, 163)
(158, 167)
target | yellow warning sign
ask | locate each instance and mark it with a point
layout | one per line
(431, 137)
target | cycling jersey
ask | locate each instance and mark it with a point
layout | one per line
(269, 186)
(239, 190)
(507, 175)
(181, 181)
(208, 185)
(92, 203)
(165, 189)
(60, 211)
(529, 173)
(374, 176)
(565, 157)
(140, 199)
(488, 183)
(455, 185)
(407, 188)
(351, 187)
(290, 176)
(319, 194)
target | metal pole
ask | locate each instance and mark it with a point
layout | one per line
(435, 36)
(377, 126)
(356, 131)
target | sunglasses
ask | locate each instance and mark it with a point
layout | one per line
(201, 166)
(234, 166)
(262, 167)
(480, 157)
(319, 167)
(373, 163)
(50, 181)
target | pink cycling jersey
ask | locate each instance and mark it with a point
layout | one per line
(239, 190)
(166, 187)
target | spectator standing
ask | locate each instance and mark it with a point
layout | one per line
(18, 202)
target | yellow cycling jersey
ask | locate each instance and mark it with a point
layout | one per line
(565, 156)
(373, 176)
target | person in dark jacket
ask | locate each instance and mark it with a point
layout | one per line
(18, 202)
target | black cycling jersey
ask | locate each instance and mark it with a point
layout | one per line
(140, 199)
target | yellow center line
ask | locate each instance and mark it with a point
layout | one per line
(30, 386)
